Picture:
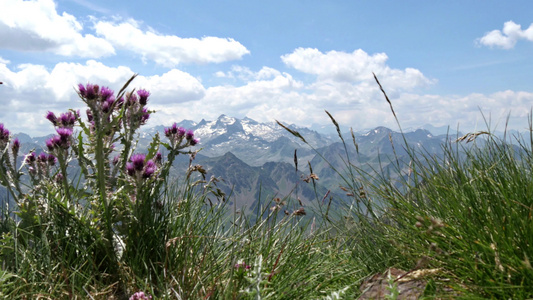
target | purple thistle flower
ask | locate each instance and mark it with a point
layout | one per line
(89, 115)
(59, 178)
(52, 142)
(189, 135)
(106, 105)
(174, 128)
(92, 91)
(89, 92)
(137, 161)
(51, 159)
(130, 169)
(158, 157)
(145, 115)
(81, 90)
(181, 132)
(51, 117)
(194, 142)
(4, 133)
(64, 133)
(66, 119)
(30, 158)
(106, 94)
(15, 147)
(149, 169)
(132, 99)
(43, 157)
(143, 96)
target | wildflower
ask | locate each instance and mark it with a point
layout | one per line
(130, 169)
(158, 157)
(242, 265)
(106, 94)
(106, 105)
(143, 96)
(149, 169)
(145, 115)
(67, 119)
(137, 167)
(43, 157)
(172, 130)
(51, 117)
(65, 134)
(51, 159)
(59, 178)
(60, 141)
(4, 135)
(176, 134)
(52, 142)
(15, 146)
(89, 115)
(131, 99)
(30, 158)
(89, 92)
(140, 296)
(138, 161)
(190, 134)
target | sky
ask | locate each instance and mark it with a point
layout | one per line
(442, 63)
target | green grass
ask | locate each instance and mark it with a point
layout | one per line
(466, 215)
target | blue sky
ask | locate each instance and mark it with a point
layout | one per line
(440, 61)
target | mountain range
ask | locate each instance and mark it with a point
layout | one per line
(255, 162)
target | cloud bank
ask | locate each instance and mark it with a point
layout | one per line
(37, 26)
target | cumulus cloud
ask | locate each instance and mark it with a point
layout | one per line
(30, 90)
(508, 37)
(169, 50)
(354, 67)
(37, 26)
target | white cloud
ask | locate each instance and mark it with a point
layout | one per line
(37, 26)
(169, 50)
(352, 67)
(31, 90)
(508, 37)
(245, 74)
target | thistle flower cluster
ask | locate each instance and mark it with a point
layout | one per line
(137, 112)
(65, 120)
(39, 164)
(138, 167)
(4, 141)
(102, 103)
(176, 135)
(60, 141)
